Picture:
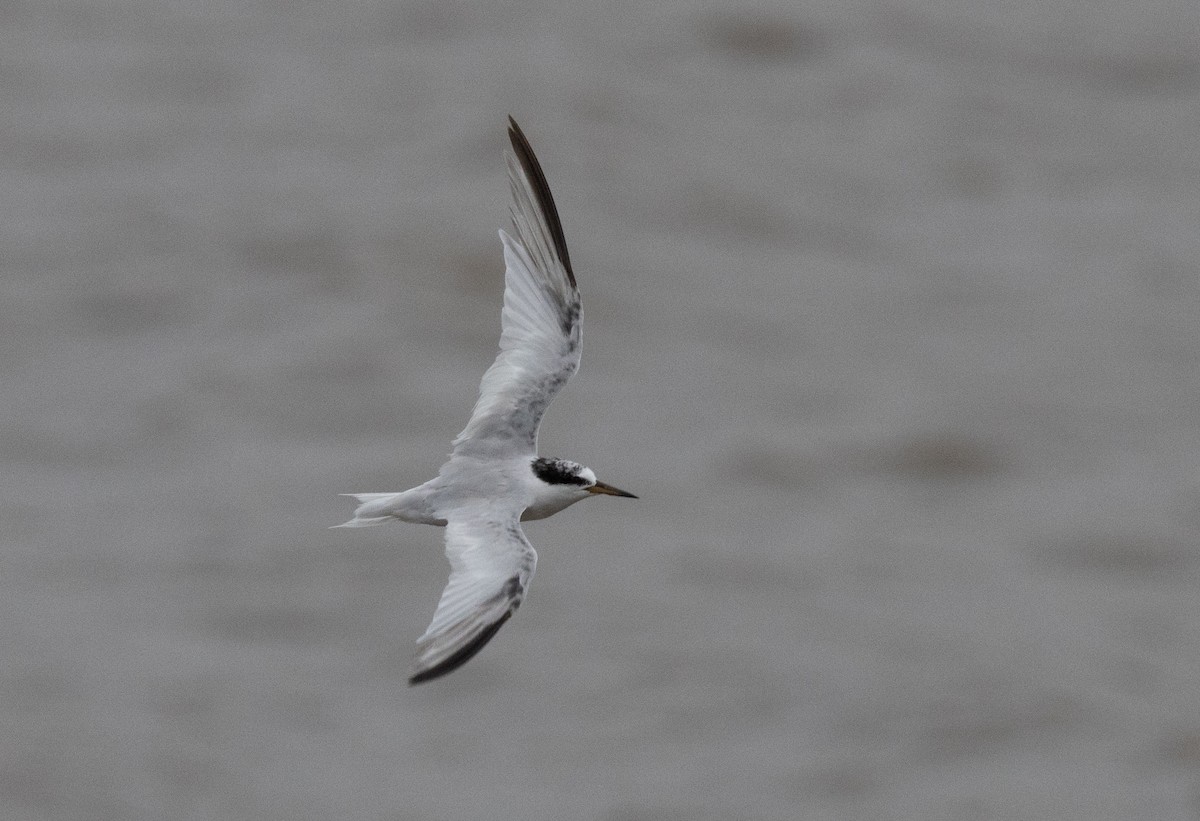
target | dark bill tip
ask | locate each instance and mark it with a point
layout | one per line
(609, 490)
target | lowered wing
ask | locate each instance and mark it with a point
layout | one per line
(491, 563)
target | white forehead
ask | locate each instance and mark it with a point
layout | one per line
(587, 473)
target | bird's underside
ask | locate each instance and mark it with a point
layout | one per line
(489, 481)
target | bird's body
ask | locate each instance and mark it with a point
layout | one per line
(494, 479)
(465, 477)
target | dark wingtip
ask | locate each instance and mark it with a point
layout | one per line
(541, 190)
(464, 654)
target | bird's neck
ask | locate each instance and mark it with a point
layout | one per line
(550, 499)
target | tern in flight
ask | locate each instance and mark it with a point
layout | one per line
(494, 478)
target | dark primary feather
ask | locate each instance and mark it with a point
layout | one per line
(541, 190)
(471, 647)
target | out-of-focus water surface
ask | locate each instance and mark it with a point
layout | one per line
(891, 322)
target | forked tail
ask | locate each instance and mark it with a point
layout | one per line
(369, 510)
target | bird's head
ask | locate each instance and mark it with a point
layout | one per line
(562, 483)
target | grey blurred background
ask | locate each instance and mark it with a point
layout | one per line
(891, 322)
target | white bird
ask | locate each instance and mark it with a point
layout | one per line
(494, 478)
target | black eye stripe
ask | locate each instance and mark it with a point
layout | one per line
(557, 472)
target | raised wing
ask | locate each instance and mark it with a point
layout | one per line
(491, 563)
(541, 322)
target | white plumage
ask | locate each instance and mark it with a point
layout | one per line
(494, 478)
